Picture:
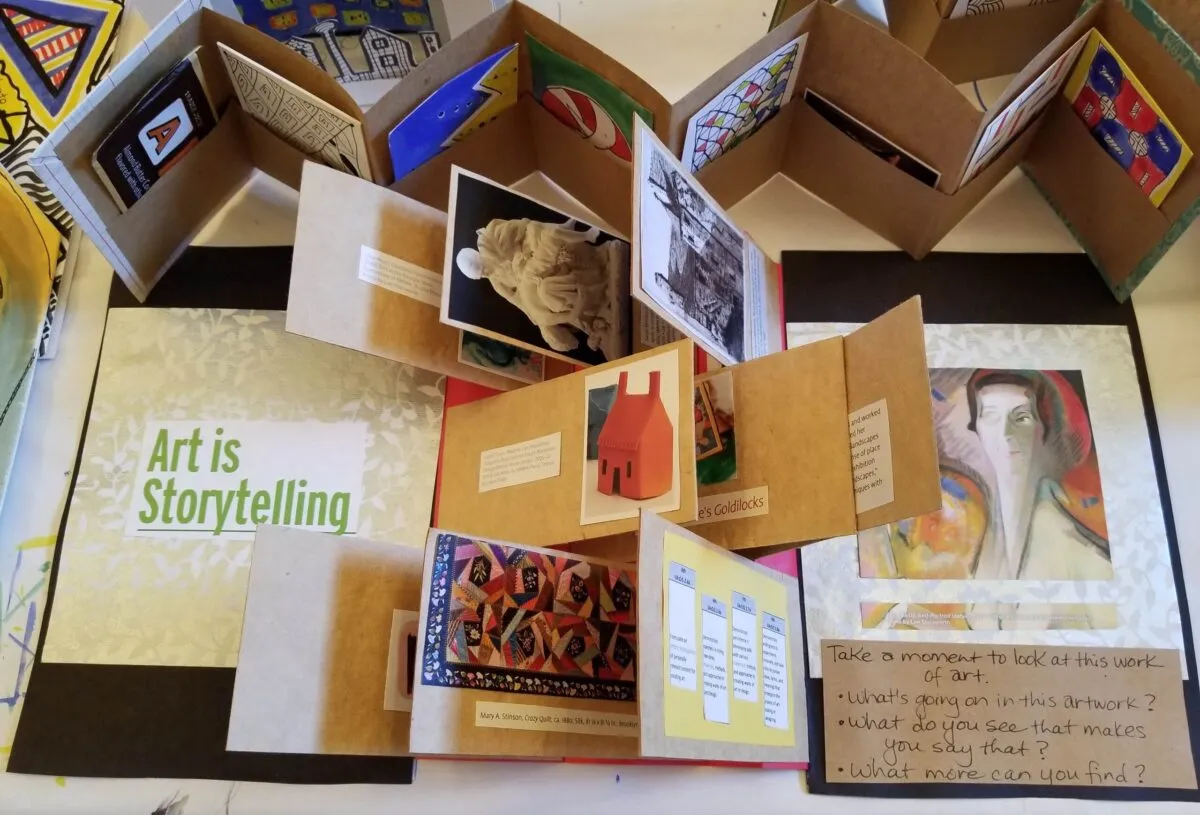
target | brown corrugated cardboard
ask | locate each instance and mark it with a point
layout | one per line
(979, 45)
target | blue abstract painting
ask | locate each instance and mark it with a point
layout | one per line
(460, 107)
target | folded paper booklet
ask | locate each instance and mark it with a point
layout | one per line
(328, 646)
(536, 653)
(301, 118)
(519, 271)
(206, 423)
(367, 275)
(860, 453)
(575, 457)
(694, 267)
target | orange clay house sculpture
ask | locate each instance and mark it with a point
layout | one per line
(636, 450)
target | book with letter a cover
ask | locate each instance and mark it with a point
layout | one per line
(166, 123)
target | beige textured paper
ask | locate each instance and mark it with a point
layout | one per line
(995, 714)
(322, 667)
(171, 600)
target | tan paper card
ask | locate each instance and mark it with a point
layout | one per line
(692, 265)
(575, 457)
(328, 645)
(524, 652)
(770, 473)
(1002, 714)
(366, 275)
(721, 668)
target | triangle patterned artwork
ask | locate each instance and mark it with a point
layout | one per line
(54, 45)
(55, 51)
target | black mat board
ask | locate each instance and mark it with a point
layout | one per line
(955, 287)
(132, 721)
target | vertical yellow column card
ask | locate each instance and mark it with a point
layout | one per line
(701, 646)
(729, 686)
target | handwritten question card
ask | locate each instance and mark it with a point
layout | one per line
(1001, 714)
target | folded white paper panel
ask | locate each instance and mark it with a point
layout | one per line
(321, 660)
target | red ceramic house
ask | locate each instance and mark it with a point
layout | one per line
(636, 452)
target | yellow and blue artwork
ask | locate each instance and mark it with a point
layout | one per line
(28, 253)
(51, 55)
(454, 111)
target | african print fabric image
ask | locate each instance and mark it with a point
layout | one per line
(518, 620)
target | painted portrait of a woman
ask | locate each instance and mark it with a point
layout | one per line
(1021, 497)
(1034, 430)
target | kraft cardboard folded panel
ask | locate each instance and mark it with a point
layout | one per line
(588, 668)
(526, 138)
(341, 217)
(979, 45)
(795, 463)
(910, 103)
(142, 242)
(885, 85)
(325, 663)
(1114, 222)
(575, 457)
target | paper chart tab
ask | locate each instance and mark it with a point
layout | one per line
(774, 670)
(745, 648)
(715, 639)
(520, 463)
(399, 276)
(871, 457)
(681, 626)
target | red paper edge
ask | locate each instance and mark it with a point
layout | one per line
(458, 392)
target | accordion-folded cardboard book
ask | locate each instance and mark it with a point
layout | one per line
(575, 457)
(692, 654)
(909, 103)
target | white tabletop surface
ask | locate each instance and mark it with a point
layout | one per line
(673, 44)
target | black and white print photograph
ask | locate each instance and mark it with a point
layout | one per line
(691, 255)
(522, 272)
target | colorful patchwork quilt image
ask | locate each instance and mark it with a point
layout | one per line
(518, 620)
